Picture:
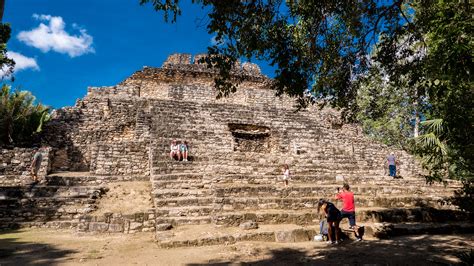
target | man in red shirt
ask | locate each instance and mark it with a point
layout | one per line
(348, 208)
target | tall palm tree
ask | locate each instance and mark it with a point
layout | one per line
(20, 117)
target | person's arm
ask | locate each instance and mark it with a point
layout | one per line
(34, 161)
(338, 195)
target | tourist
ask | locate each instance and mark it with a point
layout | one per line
(348, 208)
(392, 164)
(286, 174)
(184, 150)
(174, 147)
(36, 164)
(333, 217)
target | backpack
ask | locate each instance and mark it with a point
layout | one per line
(323, 229)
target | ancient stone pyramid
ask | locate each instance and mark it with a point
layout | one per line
(237, 148)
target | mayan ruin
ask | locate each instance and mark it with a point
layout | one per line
(237, 147)
(152, 132)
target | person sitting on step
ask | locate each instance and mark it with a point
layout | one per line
(184, 148)
(174, 150)
(333, 217)
(348, 208)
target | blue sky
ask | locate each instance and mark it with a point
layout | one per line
(93, 43)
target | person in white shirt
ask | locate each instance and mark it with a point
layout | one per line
(174, 150)
(286, 174)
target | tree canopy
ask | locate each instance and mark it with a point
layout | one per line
(317, 45)
(20, 116)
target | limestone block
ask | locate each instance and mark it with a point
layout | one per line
(116, 228)
(163, 227)
(248, 225)
(83, 226)
(296, 235)
(98, 227)
(135, 226)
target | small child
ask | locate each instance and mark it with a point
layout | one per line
(286, 174)
(184, 150)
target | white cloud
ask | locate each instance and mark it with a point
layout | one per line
(53, 37)
(21, 63)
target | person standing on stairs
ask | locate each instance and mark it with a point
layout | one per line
(286, 174)
(174, 150)
(333, 217)
(392, 164)
(36, 164)
(348, 208)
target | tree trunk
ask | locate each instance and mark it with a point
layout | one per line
(2, 8)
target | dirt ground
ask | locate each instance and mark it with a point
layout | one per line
(126, 198)
(51, 247)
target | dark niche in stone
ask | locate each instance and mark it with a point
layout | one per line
(250, 138)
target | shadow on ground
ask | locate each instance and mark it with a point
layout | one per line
(413, 250)
(18, 252)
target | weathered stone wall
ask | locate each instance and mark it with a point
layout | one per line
(15, 165)
(118, 223)
(35, 206)
(73, 132)
(120, 158)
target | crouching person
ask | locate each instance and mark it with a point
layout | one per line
(333, 217)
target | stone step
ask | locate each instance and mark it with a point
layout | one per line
(304, 217)
(205, 235)
(184, 211)
(38, 191)
(190, 180)
(179, 221)
(172, 193)
(227, 204)
(387, 230)
(318, 192)
(239, 203)
(322, 191)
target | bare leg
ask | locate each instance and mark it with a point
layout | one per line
(185, 155)
(356, 230)
(337, 233)
(330, 231)
(286, 182)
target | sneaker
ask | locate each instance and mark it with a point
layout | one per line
(337, 242)
(358, 239)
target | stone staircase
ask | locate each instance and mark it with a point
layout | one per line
(185, 194)
(59, 203)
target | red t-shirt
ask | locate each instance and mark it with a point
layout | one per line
(347, 201)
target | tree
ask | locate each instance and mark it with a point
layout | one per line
(444, 74)
(6, 64)
(20, 117)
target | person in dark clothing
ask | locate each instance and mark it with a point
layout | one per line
(333, 216)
